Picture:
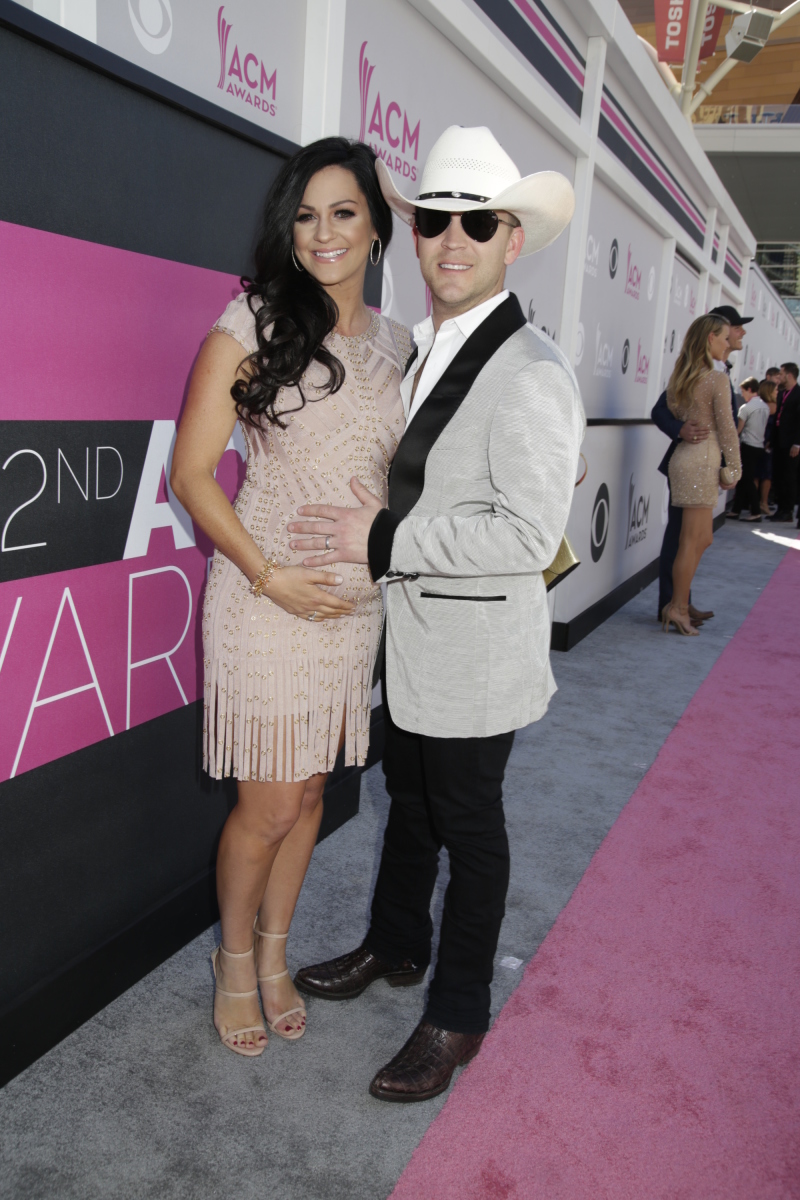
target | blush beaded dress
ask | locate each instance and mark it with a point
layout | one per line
(694, 467)
(277, 686)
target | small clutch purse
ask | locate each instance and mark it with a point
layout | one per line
(727, 476)
(565, 561)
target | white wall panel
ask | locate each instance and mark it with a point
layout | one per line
(617, 328)
(618, 515)
(772, 337)
(404, 83)
(682, 310)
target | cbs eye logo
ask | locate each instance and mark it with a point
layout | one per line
(152, 23)
(613, 258)
(626, 355)
(600, 520)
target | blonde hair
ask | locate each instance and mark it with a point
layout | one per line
(767, 390)
(694, 361)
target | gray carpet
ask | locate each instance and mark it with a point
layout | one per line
(144, 1102)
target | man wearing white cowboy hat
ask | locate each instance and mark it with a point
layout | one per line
(479, 493)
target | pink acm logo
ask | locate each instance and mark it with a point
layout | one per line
(633, 279)
(393, 141)
(642, 365)
(254, 85)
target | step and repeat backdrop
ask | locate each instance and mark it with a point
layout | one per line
(245, 56)
(116, 260)
(101, 570)
(403, 84)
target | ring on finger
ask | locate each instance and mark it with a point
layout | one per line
(328, 542)
(313, 616)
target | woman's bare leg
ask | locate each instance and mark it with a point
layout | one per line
(264, 814)
(697, 534)
(280, 898)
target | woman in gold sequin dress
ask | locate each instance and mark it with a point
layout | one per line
(696, 392)
(313, 377)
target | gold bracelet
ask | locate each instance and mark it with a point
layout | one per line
(262, 580)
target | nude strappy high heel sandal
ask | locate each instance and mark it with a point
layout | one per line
(672, 614)
(227, 1039)
(289, 1035)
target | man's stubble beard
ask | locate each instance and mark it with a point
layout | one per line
(468, 300)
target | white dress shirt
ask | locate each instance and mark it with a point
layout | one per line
(435, 351)
(755, 414)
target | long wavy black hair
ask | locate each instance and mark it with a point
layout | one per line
(298, 308)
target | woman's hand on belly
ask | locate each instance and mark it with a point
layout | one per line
(299, 591)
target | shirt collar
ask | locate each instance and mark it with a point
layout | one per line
(466, 323)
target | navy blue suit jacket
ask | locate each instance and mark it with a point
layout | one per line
(668, 424)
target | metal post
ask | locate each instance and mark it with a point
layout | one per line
(692, 58)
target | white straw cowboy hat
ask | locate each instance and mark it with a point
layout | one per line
(469, 169)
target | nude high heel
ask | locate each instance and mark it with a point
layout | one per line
(289, 1035)
(235, 1033)
(673, 614)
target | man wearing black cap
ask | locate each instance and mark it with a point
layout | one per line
(735, 336)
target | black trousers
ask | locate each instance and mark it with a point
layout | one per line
(785, 480)
(669, 548)
(747, 492)
(444, 792)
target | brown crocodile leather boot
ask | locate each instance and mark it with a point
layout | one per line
(348, 976)
(424, 1067)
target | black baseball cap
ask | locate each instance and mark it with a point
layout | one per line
(729, 314)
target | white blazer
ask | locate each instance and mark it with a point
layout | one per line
(479, 493)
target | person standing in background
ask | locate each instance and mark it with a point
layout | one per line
(735, 338)
(752, 422)
(768, 393)
(697, 391)
(677, 431)
(786, 444)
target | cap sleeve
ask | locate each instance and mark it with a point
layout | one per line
(239, 323)
(402, 340)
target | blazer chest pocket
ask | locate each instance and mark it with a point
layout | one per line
(448, 596)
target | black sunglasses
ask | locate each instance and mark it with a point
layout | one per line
(480, 225)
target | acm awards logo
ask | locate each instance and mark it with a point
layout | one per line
(551, 333)
(152, 23)
(601, 513)
(633, 277)
(642, 365)
(638, 514)
(393, 141)
(603, 356)
(254, 86)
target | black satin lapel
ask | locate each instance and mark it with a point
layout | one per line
(407, 476)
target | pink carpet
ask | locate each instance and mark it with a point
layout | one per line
(652, 1050)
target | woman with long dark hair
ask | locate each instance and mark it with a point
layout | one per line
(313, 377)
(697, 392)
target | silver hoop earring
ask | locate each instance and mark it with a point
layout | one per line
(296, 263)
(375, 261)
